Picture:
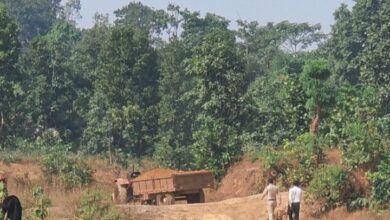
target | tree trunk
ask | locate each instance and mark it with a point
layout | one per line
(315, 121)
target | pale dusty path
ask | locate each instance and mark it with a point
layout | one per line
(246, 208)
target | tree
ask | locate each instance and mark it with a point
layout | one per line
(85, 63)
(317, 87)
(142, 17)
(50, 81)
(176, 109)
(279, 100)
(36, 17)
(10, 88)
(358, 50)
(219, 86)
(123, 110)
(299, 36)
(71, 11)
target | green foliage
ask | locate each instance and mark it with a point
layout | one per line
(36, 17)
(8, 157)
(123, 110)
(307, 150)
(328, 185)
(10, 79)
(70, 171)
(3, 191)
(217, 94)
(216, 146)
(142, 17)
(176, 110)
(317, 86)
(41, 202)
(362, 144)
(96, 205)
(51, 82)
(298, 160)
(279, 101)
(380, 193)
(3, 194)
(355, 203)
(358, 44)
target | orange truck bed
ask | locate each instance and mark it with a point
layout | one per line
(176, 182)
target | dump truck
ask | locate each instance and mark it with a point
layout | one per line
(163, 187)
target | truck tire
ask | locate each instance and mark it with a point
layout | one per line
(202, 198)
(165, 199)
(120, 194)
(196, 197)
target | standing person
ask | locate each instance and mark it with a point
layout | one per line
(271, 191)
(294, 200)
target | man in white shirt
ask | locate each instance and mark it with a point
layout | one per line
(294, 201)
(271, 191)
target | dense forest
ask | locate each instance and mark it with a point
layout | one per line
(190, 92)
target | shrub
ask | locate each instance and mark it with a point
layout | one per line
(9, 157)
(380, 193)
(327, 185)
(41, 202)
(96, 206)
(3, 194)
(71, 172)
(297, 161)
(362, 144)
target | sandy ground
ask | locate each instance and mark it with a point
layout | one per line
(246, 208)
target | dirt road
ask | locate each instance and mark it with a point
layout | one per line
(247, 208)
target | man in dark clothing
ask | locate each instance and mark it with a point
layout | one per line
(294, 201)
(12, 208)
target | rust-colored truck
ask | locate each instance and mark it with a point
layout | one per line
(163, 187)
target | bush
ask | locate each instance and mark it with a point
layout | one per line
(328, 185)
(3, 194)
(71, 172)
(297, 161)
(41, 202)
(362, 144)
(96, 206)
(9, 157)
(380, 193)
(306, 149)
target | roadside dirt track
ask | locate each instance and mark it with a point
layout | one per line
(246, 208)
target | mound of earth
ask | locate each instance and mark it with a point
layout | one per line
(242, 179)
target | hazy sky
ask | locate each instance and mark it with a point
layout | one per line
(263, 11)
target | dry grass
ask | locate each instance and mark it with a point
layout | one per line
(26, 174)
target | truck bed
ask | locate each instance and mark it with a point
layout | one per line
(176, 182)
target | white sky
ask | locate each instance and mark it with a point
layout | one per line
(263, 11)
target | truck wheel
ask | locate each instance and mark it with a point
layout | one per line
(120, 194)
(165, 199)
(202, 198)
(193, 198)
(196, 198)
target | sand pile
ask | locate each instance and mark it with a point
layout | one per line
(157, 173)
